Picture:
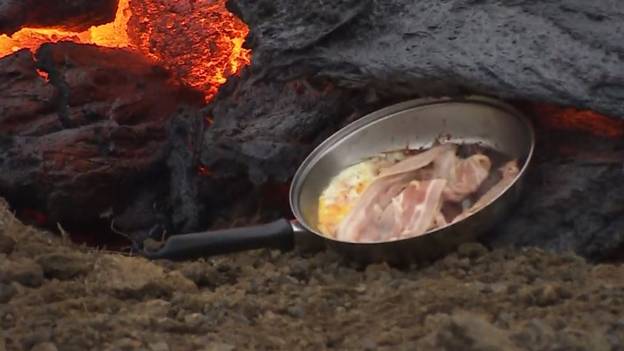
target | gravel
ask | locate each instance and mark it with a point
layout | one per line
(60, 296)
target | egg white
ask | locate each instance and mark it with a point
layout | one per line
(337, 200)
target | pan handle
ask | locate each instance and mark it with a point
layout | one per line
(278, 235)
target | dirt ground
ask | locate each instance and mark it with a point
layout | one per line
(57, 296)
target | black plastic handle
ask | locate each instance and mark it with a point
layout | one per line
(278, 235)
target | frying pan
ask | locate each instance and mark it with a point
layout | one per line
(414, 124)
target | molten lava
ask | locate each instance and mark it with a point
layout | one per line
(551, 116)
(201, 42)
(114, 34)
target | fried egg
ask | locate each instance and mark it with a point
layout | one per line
(337, 200)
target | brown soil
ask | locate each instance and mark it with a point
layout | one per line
(57, 296)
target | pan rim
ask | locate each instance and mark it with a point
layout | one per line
(388, 112)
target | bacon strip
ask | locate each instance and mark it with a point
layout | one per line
(508, 171)
(404, 200)
(359, 224)
(464, 175)
(365, 219)
(417, 207)
(418, 161)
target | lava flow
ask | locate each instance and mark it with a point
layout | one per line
(556, 117)
(114, 34)
(201, 43)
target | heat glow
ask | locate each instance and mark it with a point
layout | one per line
(574, 119)
(200, 43)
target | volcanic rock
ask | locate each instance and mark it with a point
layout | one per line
(375, 53)
(76, 15)
(573, 197)
(83, 138)
(433, 47)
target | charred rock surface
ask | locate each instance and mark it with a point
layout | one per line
(268, 127)
(249, 141)
(565, 52)
(573, 199)
(89, 138)
(77, 15)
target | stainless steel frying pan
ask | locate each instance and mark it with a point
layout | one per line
(414, 124)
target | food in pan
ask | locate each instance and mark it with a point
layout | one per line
(343, 191)
(407, 193)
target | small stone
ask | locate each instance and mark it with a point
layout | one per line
(300, 270)
(498, 288)
(360, 288)
(64, 266)
(126, 344)
(158, 346)
(37, 336)
(44, 346)
(24, 271)
(200, 273)
(457, 331)
(274, 254)
(194, 319)
(471, 250)
(7, 291)
(526, 295)
(481, 287)
(295, 311)
(368, 344)
(218, 346)
(151, 245)
(7, 244)
(548, 295)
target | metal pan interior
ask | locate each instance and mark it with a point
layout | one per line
(415, 124)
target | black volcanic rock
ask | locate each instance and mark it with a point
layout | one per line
(573, 199)
(76, 15)
(374, 53)
(568, 52)
(79, 142)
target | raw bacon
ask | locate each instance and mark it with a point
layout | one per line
(421, 192)
(418, 161)
(508, 172)
(362, 220)
(464, 175)
(417, 206)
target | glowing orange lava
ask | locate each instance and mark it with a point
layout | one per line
(114, 34)
(556, 117)
(201, 43)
